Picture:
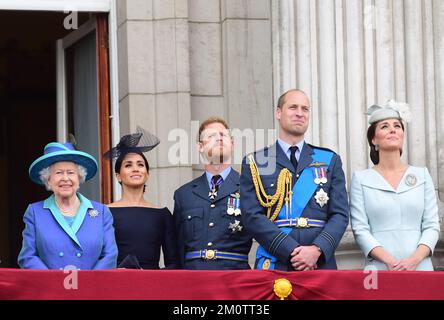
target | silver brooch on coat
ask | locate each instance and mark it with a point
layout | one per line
(93, 213)
(410, 180)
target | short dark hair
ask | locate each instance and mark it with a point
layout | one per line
(371, 131)
(281, 99)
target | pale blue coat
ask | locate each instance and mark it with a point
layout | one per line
(398, 220)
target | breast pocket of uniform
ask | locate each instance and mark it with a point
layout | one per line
(319, 202)
(231, 225)
(192, 223)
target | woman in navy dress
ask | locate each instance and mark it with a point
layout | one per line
(142, 229)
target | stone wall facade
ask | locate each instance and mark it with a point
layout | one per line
(181, 61)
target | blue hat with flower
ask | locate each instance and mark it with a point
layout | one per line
(391, 110)
(56, 152)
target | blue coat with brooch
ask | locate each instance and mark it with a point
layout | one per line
(49, 242)
(203, 226)
(277, 243)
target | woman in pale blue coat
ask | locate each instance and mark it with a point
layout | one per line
(393, 207)
(67, 230)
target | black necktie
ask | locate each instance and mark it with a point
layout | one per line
(293, 157)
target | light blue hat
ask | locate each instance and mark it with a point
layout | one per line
(56, 152)
(391, 110)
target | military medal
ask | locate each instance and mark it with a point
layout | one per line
(93, 213)
(320, 175)
(321, 197)
(237, 210)
(212, 194)
(315, 172)
(230, 206)
(410, 180)
(323, 175)
(235, 227)
(233, 205)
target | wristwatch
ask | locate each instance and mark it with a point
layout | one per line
(319, 249)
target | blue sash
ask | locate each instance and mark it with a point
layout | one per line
(302, 192)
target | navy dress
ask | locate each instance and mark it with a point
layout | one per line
(140, 234)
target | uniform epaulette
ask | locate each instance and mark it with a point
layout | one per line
(321, 148)
(255, 153)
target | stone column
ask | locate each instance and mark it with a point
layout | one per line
(154, 82)
(348, 55)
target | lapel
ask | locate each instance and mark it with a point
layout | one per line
(50, 204)
(230, 185)
(305, 159)
(281, 157)
(413, 177)
(201, 188)
(85, 206)
(375, 180)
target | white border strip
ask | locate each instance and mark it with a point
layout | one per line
(114, 86)
(57, 5)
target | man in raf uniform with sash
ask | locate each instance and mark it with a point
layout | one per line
(207, 210)
(293, 196)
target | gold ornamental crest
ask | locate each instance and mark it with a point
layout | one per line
(282, 288)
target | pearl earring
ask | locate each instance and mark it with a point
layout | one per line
(376, 147)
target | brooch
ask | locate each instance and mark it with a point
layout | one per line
(93, 213)
(410, 180)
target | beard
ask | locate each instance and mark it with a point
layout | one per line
(216, 156)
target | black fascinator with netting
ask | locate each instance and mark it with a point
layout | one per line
(141, 141)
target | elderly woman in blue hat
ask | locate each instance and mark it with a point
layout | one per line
(66, 230)
(393, 207)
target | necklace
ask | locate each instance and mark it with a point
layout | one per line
(400, 169)
(66, 211)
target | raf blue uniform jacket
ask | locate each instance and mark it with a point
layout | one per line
(203, 223)
(335, 213)
(50, 243)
